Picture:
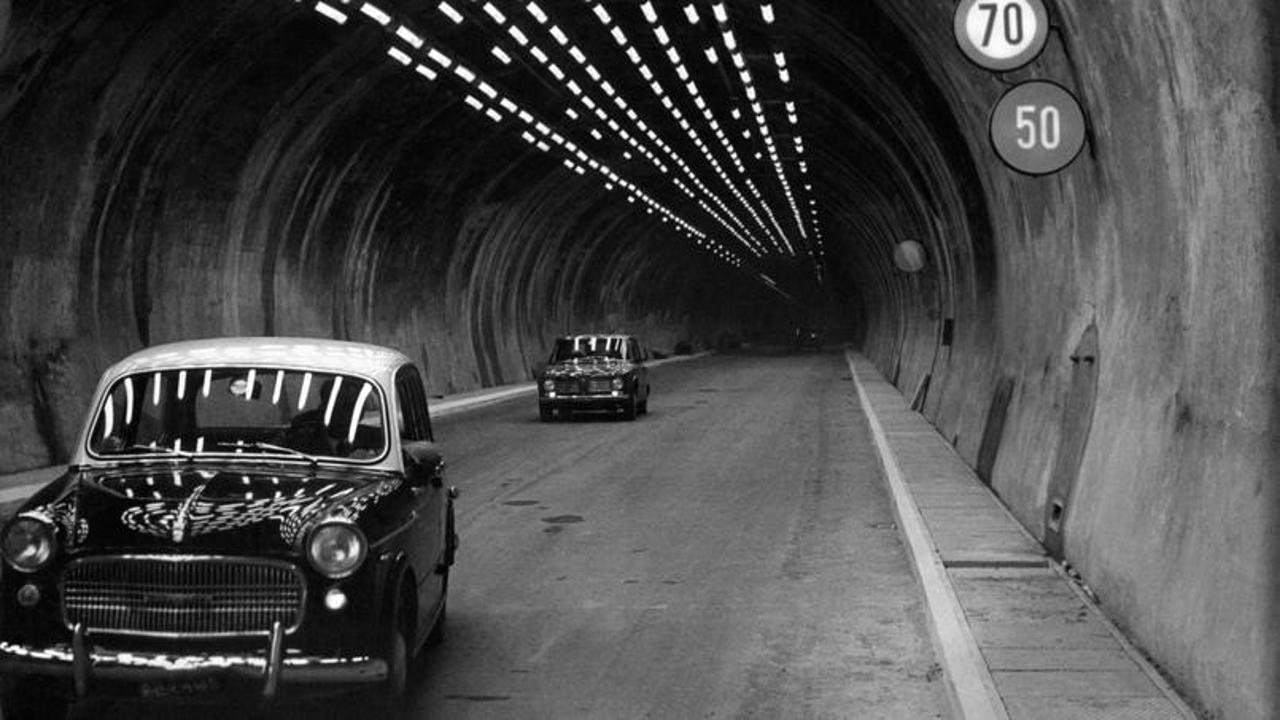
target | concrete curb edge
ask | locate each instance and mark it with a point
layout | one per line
(970, 688)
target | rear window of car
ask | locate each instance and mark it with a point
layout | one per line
(241, 410)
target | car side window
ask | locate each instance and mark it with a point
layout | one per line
(412, 416)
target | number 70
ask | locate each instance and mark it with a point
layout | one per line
(1013, 33)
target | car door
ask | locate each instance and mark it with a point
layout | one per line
(426, 537)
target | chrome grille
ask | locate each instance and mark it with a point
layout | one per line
(568, 387)
(599, 385)
(182, 596)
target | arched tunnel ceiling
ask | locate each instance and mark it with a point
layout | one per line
(796, 188)
(173, 169)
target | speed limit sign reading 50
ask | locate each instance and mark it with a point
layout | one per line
(1001, 35)
(1037, 128)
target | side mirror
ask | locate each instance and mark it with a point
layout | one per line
(423, 463)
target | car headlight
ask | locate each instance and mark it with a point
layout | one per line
(549, 385)
(336, 549)
(618, 383)
(29, 544)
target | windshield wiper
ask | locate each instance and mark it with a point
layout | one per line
(269, 447)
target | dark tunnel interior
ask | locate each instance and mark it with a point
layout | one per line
(464, 181)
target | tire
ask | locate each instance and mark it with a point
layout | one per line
(629, 410)
(33, 698)
(546, 414)
(386, 701)
(643, 407)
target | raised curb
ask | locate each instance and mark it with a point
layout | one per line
(1017, 636)
(970, 688)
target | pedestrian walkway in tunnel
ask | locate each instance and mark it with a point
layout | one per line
(1019, 638)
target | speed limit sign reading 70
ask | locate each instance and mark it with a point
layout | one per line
(1001, 35)
(1038, 128)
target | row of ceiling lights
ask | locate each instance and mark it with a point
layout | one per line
(545, 137)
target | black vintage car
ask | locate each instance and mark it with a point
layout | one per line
(594, 372)
(252, 517)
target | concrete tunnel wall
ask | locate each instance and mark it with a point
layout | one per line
(227, 173)
(174, 170)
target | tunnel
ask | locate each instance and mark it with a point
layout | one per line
(465, 180)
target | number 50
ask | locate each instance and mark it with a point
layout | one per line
(1043, 128)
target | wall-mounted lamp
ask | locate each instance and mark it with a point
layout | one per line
(909, 256)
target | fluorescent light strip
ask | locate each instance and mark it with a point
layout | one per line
(399, 55)
(536, 12)
(331, 12)
(450, 12)
(440, 58)
(409, 36)
(495, 13)
(375, 13)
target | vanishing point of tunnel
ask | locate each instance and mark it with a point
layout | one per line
(465, 180)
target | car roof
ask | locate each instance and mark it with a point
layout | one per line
(312, 353)
(610, 336)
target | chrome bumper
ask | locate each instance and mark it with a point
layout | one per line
(275, 666)
(602, 400)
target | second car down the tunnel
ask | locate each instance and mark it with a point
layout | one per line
(594, 372)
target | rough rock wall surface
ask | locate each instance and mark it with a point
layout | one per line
(172, 170)
(179, 170)
(1146, 276)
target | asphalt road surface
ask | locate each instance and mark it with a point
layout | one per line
(730, 555)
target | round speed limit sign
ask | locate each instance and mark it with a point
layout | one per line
(1038, 128)
(1001, 35)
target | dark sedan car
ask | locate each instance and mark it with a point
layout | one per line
(594, 372)
(242, 517)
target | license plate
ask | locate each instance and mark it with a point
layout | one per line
(179, 688)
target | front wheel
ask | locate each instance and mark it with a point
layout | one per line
(629, 410)
(546, 413)
(386, 701)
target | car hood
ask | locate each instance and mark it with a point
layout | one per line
(201, 509)
(594, 368)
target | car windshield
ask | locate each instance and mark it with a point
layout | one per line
(240, 410)
(589, 347)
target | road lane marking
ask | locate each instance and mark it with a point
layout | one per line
(969, 684)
